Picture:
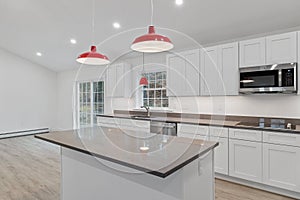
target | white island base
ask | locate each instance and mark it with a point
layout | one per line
(85, 177)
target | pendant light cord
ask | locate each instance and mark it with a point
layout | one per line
(152, 11)
(143, 63)
(93, 22)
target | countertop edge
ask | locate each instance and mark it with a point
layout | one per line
(205, 124)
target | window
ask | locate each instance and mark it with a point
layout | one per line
(155, 93)
(91, 102)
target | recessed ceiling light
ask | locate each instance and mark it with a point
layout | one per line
(39, 54)
(179, 2)
(73, 41)
(116, 25)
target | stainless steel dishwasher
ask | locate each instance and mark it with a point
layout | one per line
(164, 128)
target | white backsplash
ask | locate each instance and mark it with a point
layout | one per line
(248, 105)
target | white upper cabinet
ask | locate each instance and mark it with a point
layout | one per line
(282, 48)
(228, 61)
(118, 80)
(211, 73)
(275, 49)
(253, 52)
(192, 71)
(183, 73)
(219, 70)
(175, 75)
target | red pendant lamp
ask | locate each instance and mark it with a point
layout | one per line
(143, 80)
(152, 42)
(93, 57)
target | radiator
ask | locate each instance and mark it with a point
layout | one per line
(23, 133)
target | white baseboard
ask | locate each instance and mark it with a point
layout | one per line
(260, 186)
(23, 133)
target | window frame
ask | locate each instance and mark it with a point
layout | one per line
(155, 89)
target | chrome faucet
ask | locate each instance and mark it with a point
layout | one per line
(147, 109)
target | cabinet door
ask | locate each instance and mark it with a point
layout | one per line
(120, 76)
(211, 74)
(176, 76)
(221, 155)
(192, 72)
(245, 160)
(228, 61)
(281, 166)
(282, 48)
(118, 80)
(298, 71)
(111, 79)
(253, 52)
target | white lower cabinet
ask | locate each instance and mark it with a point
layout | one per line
(211, 134)
(245, 160)
(281, 166)
(221, 155)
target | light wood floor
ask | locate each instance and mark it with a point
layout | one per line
(30, 170)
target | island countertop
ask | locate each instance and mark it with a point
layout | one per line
(162, 156)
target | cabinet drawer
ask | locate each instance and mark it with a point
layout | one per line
(193, 136)
(135, 123)
(108, 120)
(192, 129)
(281, 138)
(218, 132)
(245, 134)
(108, 125)
(134, 130)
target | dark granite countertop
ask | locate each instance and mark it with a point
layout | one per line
(166, 154)
(241, 122)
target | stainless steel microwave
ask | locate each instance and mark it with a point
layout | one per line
(277, 78)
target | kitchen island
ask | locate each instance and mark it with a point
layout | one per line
(109, 163)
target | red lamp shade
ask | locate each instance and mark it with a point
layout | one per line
(93, 58)
(152, 42)
(143, 81)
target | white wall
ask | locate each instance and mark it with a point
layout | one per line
(27, 94)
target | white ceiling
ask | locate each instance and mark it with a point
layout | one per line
(28, 26)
